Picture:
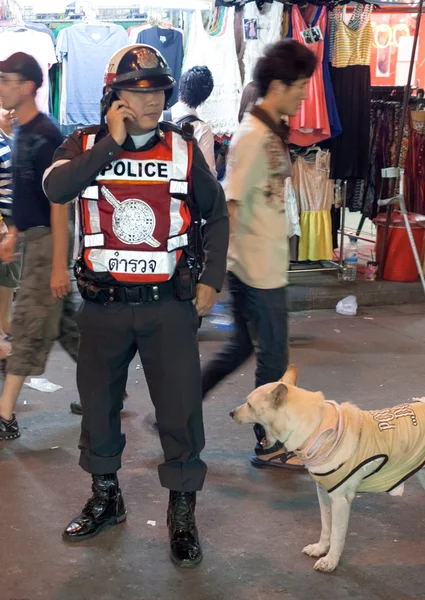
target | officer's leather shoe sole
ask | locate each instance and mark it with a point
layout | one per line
(80, 530)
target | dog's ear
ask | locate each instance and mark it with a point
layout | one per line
(278, 395)
(291, 375)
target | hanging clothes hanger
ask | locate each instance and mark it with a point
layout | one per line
(15, 15)
(156, 18)
(90, 14)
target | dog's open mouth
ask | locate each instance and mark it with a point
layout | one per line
(265, 439)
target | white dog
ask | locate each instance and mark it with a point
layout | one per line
(345, 449)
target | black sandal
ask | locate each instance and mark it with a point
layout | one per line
(275, 458)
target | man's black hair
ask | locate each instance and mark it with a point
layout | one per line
(286, 61)
(196, 86)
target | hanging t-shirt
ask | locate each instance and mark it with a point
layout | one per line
(37, 44)
(42, 28)
(218, 53)
(268, 31)
(169, 42)
(85, 51)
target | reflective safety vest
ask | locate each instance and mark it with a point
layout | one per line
(134, 218)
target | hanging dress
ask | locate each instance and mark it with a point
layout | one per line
(218, 53)
(351, 46)
(311, 124)
(333, 116)
(315, 194)
(269, 25)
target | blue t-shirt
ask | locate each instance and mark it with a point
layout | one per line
(85, 51)
(33, 148)
(170, 43)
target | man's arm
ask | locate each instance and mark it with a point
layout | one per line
(241, 171)
(73, 170)
(8, 245)
(206, 145)
(59, 279)
(209, 197)
(59, 222)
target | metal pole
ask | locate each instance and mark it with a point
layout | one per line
(342, 230)
(407, 90)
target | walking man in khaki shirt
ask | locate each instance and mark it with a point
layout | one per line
(258, 261)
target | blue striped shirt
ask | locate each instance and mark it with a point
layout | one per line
(5, 177)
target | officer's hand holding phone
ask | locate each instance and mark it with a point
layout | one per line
(116, 116)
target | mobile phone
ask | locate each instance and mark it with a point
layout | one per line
(107, 101)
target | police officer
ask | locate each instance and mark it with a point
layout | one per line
(142, 188)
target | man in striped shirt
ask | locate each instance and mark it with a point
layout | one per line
(9, 273)
(5, 163)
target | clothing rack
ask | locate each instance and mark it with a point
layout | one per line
(407, 93)
(239, 4)
(388, 94)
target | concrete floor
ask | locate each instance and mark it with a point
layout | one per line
(253, 523)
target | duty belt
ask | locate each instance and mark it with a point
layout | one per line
(137, 294)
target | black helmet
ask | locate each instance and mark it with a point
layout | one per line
(139, 68)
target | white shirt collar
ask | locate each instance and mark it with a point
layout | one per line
(181, 109)
(142, 140)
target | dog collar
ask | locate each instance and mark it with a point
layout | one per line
(312, 456)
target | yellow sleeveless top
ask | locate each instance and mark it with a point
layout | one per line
(353, 46)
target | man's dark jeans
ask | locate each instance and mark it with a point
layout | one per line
(260, 326)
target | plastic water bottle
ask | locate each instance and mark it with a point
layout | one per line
(351, 260)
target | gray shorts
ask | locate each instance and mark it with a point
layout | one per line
(37, 315)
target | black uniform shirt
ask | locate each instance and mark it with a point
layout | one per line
(76, 170)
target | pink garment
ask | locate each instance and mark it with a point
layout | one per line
(311, 124)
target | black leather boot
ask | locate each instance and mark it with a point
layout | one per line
(105, 507)
(184, 542)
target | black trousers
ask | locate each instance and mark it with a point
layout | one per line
(165, 335)
(260, 326)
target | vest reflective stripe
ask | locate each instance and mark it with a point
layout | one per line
(176, 219)
(90, 140)
(92, 216)
(77, 231)
(180, 241)
(180, 157)
(91, 193)
(179, 187)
